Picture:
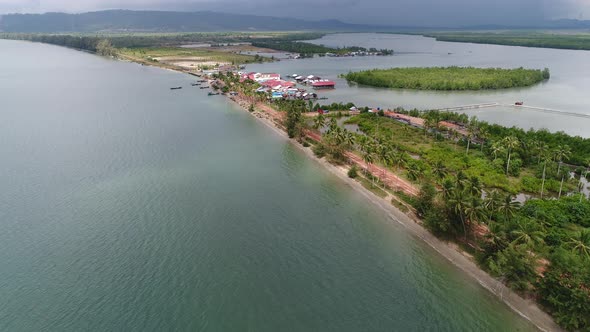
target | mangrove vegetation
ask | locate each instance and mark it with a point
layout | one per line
(448, 78)
(572, 41)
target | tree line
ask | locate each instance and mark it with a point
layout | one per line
(543, 40)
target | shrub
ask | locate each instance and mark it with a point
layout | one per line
(319, 150)
(353, 172)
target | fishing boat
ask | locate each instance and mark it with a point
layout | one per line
(519, 103)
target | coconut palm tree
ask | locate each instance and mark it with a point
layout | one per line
(468, 138)
(541, 150)
(429, 123)
(474, 186)
(461, 181)
(508, 206)
(511, 143)
(474, 210)
(399, 159)
(564, 173)
(496, 237)
(527, 232)
(414, 171)
(496, 148)
(349, 139)
(483, 134)
(472, 129)
(581, 243)
(319, 121)
(493, 201)
(363, 142)
(545, 155)
(561, 153)
(383, 155)
(453, 135)
(448, 187)
(333, 125)
(458, 202)
(439, 170)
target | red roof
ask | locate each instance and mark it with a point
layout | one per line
(323, 83)
(273, 84)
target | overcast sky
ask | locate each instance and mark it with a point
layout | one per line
(388, 12)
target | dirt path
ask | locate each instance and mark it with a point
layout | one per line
(390, 179)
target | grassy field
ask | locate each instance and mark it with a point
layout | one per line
(448, 78)
(201, 57)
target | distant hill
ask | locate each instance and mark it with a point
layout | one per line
(163, 21)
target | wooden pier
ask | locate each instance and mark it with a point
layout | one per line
(469, 107)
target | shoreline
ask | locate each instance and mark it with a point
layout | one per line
(525, 308)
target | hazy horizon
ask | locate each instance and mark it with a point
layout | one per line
(375, 12)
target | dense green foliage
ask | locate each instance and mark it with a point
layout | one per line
(572, 41)
(565, 290)
(544, 248)
(448, 78)
(533, 139)
(310, 49)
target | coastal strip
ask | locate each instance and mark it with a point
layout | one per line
(527, 309)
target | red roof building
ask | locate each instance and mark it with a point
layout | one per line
(325, 84)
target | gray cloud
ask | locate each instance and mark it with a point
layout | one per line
(389, 12)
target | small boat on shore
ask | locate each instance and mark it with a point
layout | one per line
(176, 88)
(195, 84)
(213, 93)
(204, 87)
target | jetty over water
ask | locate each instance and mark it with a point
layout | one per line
(469, 107)
(524, 107)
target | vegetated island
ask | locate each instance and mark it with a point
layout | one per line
(449, 78)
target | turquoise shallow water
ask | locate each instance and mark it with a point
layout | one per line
(129, 207)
